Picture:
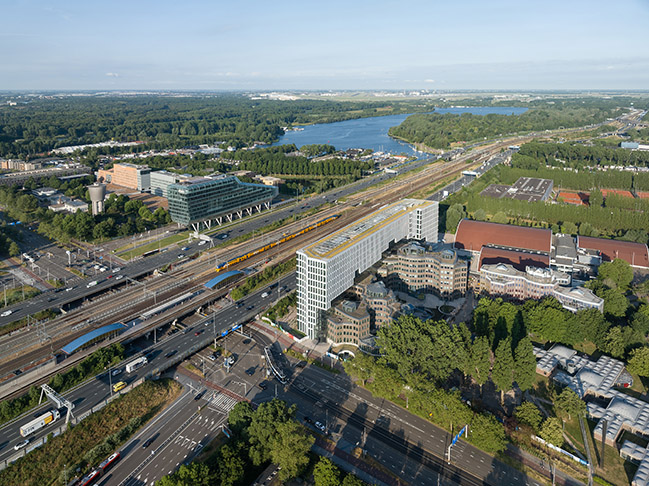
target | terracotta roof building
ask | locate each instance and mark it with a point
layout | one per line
(517, 259)
(635, 254)
(473, 235)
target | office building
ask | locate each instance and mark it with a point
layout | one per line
(348, 323)
(503, 280)
(327, 268)
(415, 268)
(201, 200)
(127, 175)
(162, 179)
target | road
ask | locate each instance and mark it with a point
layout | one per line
(94, 392)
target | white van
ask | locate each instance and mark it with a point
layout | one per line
(91, 284)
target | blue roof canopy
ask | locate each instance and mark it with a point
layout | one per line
(217, 280)
(94, 334)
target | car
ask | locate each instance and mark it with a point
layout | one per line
(250, 307)
(186, 330)
(116, 269)
(103, 269)
(119, 277)
(229, 361)
(6, 313)
(239, 304)
(69, 289)
(211, 357)
(110, 276)
(50, 299)
(198, 333)
(301, 364)
(56, 291)
(182, 255)
(320, 426)
(185, 248)
(116, 371)
(250, 371)
(21, 444)
(199, 395)
(201, 243)
(308, 420)
(148, 442)
(171, 353)
(264, 295)
(119, 386)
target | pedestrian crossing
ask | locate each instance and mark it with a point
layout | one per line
(221, 403)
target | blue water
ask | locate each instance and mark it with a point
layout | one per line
(372, 133)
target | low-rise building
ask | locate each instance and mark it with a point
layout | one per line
(379, 300)
(535, 283)
(270, 181)
(415, 268)
(347, 323)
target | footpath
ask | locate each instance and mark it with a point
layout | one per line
(318, 350)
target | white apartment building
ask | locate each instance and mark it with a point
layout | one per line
(327, 268)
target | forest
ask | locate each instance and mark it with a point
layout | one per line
(440, 131)
(40, 125)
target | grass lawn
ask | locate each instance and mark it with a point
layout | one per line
(170, 240)
(616, 470)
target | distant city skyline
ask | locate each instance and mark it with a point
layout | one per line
(290, 45)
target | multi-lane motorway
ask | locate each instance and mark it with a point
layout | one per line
(94, 392)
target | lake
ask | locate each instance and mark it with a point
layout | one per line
(372, 133)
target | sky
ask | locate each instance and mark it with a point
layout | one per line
(327, 45)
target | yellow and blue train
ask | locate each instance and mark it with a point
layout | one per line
(284, 239)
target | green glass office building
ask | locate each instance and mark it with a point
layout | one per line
(210, 198)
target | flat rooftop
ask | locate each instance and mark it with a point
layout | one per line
(355, 232)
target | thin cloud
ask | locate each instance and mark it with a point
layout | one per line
(112, 75)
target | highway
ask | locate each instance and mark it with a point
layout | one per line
(95, 391)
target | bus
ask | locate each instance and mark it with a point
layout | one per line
(119, 386)
(90, 478)
(133, 365)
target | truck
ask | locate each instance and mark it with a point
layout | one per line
(133, 365)
(91, 284)
(39, 422)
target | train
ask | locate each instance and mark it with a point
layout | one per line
(93, 476)
(285, 238)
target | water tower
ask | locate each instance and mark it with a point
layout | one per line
(97, 195)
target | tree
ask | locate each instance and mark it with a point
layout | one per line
(552, 432)
(616, 274)
(596, 199)
(263, 428)
(195, 474)
(525, 364)
(528, 413)
(351, 480)
(570, 404)
(240, 417)
(231, 466)
(325, 473)
(14, 249)
(501, 374)
(289, 449)
(480, 215)
(639, 362)
(480, 360)
(616, 341)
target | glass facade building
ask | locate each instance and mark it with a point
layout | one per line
(206, 198)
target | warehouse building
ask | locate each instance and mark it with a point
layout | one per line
(473, 235)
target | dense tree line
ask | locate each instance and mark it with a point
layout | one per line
(442, 130)
(578, 156)
(268, 434)
(40, 125)
(274, 161)
(412, 365)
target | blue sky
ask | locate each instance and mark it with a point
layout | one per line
(262, 45)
